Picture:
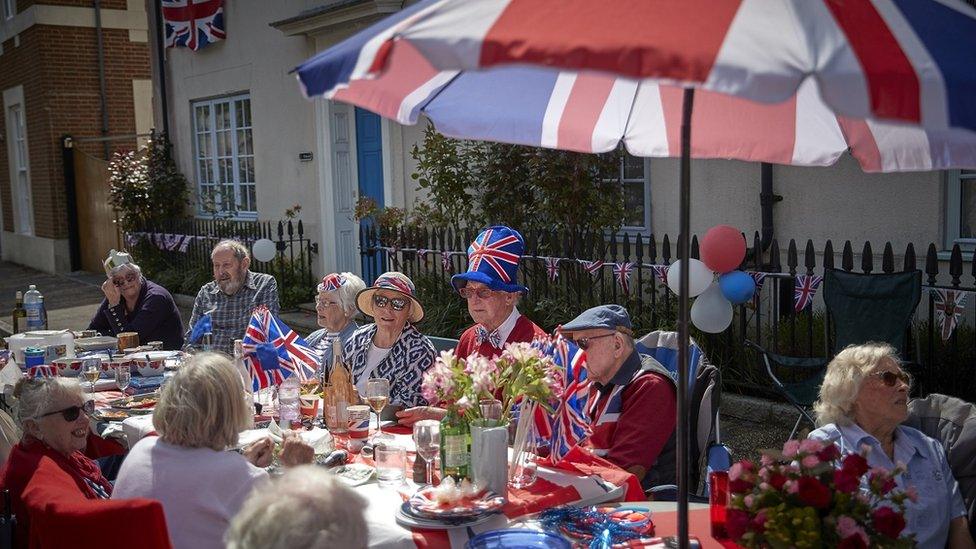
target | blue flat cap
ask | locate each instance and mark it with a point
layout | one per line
(610, 317)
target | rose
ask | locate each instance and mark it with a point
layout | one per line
(810, 461)
(845, 482)
(884, 482)
(852, 542)
(851, 533)
(759, 522)
(855, 464)
(812, 492)
(777, 480)
(888, 522)
(811, 445)
(791, 448)
(829, 453)
(737, 523)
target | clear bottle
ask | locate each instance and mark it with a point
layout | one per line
(288, 404)
(35, 308)
(455, 446)
(43, 314)
(18, 318)
(206, 342)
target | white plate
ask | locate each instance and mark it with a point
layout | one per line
(354, 474)
(411, 522)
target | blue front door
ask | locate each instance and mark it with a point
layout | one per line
(369, 160)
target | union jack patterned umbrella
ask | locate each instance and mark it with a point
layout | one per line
(803, 81)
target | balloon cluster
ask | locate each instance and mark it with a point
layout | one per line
(722, 250)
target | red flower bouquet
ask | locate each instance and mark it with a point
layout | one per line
(809, 496)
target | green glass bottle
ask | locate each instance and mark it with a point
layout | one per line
(455, 446)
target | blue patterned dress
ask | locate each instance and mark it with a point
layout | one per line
(404, 365)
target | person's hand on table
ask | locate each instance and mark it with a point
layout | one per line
(259, 452)
(112, 293)
(412, 415)
(294, 450)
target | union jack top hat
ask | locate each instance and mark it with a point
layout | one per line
(493, 260)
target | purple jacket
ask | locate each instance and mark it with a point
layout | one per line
(155, 317)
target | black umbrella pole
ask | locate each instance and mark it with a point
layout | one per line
(684, 249)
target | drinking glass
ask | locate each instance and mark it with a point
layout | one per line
(427, 437)
(390, 464)
(92, 369)
(123, 374)
(377, 395)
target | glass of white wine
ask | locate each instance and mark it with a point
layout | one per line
(92, 368)
(123, 374)
(377, 395)
(427, 438)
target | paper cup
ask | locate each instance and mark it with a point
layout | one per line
(358, 421)
(310, 405)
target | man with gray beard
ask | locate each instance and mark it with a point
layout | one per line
(234, 292)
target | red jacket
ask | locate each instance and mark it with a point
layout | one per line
(524, 332)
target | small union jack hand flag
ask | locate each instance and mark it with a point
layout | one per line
(621, 271)
(273, 351)
(804, 290)
(949, 306)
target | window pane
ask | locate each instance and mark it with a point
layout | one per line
(244, 142)
(203, 118)
(633, 167)
(967, 198)
(244, 113)
(634, 204)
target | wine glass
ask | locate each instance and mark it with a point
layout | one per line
(427, 437)
(123, 374)
(377, 395)
(92, 368)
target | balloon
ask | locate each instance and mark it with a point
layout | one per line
(737, 286)
(711, 312)
(723, 248)
(264, 250)
(699, 277)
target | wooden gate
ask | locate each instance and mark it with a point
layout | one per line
(97, 230)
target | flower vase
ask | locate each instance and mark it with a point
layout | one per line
(489, 455)
(522, 472)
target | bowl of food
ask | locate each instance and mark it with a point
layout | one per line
(67, 367)
(151, 363)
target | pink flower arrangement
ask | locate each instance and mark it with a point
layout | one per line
(809, 495)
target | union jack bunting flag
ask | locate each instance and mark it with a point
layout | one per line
(552, 268)
(949, 306)
(186, 243)
(621, 271)
(446, 261)
(804, 290)
(570, 426)
(661, 272)
(592, 267)
(193, 23)
(43, 370)
(493, 253)
(422, 253)
(760, 278)
(272, 351)
(391, 253)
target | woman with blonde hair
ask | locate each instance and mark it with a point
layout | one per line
(188, 466)
(863, 401)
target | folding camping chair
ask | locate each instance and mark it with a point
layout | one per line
(443, 343)
(862, 308)
(706, 450)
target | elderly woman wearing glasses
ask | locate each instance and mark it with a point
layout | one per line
(391, 347)
(52, 414)
(336, 308)
(863, 401)
(134, 304)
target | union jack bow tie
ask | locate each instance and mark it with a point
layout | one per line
(482, 335)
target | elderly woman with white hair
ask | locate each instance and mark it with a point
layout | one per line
(307, 508)
(188, 467)
(863, 401)
(134, 304)
(335, 306)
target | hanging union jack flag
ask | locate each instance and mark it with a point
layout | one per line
(661, 272)
(621, 271)
(273, 352)
(193, 23)
(804, 290)
(760, 278)
(949, 306)
(552, 268)
(592, 267)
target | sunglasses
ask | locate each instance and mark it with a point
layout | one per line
(584, 342)
(128, 279)
(891, 379)
(72, 412)
(482, 293)
(396, 303)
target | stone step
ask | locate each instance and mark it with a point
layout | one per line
(307, 307)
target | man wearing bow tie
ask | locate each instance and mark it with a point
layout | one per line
(492, 292)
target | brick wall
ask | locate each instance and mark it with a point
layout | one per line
(58, 68)
(106, 4)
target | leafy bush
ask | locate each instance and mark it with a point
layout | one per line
(146, 186)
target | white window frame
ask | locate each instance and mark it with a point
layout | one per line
(634, 230)
(211, 136)
(953, 217)
(9, 9)
(22, 203)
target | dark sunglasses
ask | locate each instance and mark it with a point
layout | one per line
(396, 303)
(71, 413)
(891, 379)
(128, 279)
(584, 342)
(468, 293)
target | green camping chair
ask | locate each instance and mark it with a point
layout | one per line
(863, 308)
(443, 343)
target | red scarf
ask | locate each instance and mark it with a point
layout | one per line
(76, 465)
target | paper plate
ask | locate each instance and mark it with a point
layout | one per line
(423, 504)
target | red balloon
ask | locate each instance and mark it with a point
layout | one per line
(723, 248)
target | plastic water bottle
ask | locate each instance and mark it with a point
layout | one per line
(288, 405)
(34, 304)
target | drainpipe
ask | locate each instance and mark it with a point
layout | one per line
(161, 62)
(766, 201)
(101, 76)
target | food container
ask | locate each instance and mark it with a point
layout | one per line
(358, 421)
(56, 344)
(151, 363)
(33, 357)
(68, 367)
(109, 365)
(127, 340)
(98, 343)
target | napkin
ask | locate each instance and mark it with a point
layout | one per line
(142, 385)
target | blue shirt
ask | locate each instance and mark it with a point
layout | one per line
(926, 469)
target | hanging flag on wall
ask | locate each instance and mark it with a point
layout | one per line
(949, 306)
(804, 290)
(193, 23)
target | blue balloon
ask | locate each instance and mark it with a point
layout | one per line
(737, 286)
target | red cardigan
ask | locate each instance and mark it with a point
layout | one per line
(524, 332)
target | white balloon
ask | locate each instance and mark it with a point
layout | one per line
(264, 250)
(711, 312)
(699, 277)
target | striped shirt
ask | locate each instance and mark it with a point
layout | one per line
(231, 313)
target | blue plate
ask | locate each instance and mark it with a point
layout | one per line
(512, 538)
